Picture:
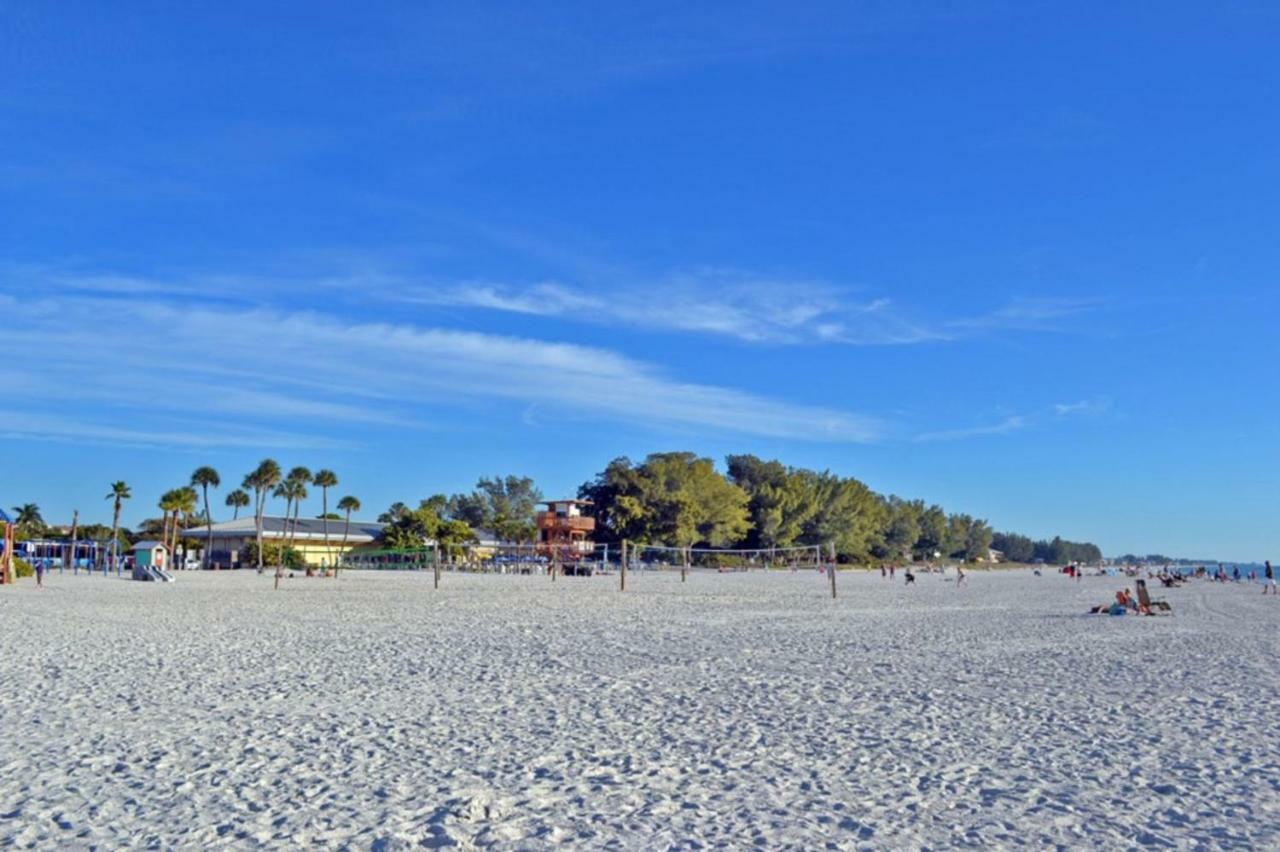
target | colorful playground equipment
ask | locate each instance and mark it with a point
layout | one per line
(151, 562)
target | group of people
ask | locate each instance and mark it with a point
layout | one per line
(889, 571)
(1170, 578)
(1127, 603)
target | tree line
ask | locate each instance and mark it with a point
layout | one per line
(682, 499)
(675, 498)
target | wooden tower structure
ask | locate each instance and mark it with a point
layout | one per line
(564, 530)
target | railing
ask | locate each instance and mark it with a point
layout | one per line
(548, 520)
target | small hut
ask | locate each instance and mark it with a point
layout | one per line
(150, 554)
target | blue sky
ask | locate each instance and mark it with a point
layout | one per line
(1018, 259)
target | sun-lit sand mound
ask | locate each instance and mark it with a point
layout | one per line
(732, 710)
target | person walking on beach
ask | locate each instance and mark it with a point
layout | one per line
(39, 566)
(959, 575)
(893, 570)
(1268, 578)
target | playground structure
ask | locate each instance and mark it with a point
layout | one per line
(150, 562)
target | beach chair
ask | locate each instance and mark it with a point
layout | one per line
(1150, 606)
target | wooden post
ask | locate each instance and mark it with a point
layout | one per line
(75, 529)
(684, 567)
(435, 560)
(622, 575)
(832, 569)
(555, 562)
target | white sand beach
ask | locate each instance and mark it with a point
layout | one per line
(730, 711)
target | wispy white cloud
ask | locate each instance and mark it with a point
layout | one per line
(1082, 407)
(34, 425)
(714, 302)
(1004, 427)
(265, 365)
(1027, 314)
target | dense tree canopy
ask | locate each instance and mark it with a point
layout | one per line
(669, 498)
(506, 505)
(682, 499)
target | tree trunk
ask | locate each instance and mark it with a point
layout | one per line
(115, 537)
(346, 532)
(257, 517)
(324, 498)
(208, 518)
(75, 528)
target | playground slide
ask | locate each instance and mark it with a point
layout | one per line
(152, 574)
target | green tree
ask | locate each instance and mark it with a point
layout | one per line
(903, 528)
(120, 492)
(411, 530)
(506, 505)
(850, 515)
(237, 500)
(293, 488)
(394, 513)
(933, 531)
(346, 505)
(168, 505)
(324, 480)
(276, 554)
(779, 500)
(205, 478)
(261, 481)
(670, 498)
(28, 520)
(186, 503)
(1016, 548)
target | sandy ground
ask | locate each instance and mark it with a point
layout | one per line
(730, 711)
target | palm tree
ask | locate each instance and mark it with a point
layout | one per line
(237, 500)
(27, 518)
(296, 485)
(187, 504)
(285, 490)
(119, 493)
(168, 503)
(263, 478)
(348, 505)
(204, 477)
(326, 479)
(397, 511)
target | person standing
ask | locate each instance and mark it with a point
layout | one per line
(1268, 578)
(39, 566)
(959, 575)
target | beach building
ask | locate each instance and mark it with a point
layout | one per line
(150, 554)
(562, 525)
(229, 540)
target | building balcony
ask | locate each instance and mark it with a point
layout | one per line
(552, 521)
